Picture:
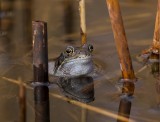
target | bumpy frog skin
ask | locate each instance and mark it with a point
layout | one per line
(73, 62)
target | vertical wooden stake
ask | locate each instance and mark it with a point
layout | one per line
(40, 66)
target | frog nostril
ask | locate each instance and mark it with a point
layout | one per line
(80, 56)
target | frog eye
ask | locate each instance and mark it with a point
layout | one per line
(69, 50)
(90, 48)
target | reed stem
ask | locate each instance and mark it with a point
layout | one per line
(124, 57)
(82, 21)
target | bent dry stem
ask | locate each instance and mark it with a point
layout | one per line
(152, 55)
(155, 47)
(82, 21)
(156, 38)
(124, 57)
(40, 66)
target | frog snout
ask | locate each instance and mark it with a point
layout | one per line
(83, 54)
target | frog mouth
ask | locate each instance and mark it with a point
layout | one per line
(80, 58)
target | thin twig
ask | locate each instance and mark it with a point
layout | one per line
(22, 102)
(83, 41)
(84, 113)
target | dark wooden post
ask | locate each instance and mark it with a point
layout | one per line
(40, 66)
(128, 76)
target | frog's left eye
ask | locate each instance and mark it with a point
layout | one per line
(90, 48)
(69, 50)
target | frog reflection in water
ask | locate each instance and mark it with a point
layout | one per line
(73, 62)
(72, 67)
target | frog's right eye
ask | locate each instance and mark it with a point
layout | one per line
(90, 48)
(69, 50)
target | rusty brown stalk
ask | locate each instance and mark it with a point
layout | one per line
(124, 57)
(120, 39)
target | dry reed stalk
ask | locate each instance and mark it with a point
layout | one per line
(83, 41)
(156, 38)
(155, 47)
(82, 21)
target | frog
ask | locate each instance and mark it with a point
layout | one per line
(73, 62)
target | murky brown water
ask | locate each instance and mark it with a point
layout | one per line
(139, 19)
